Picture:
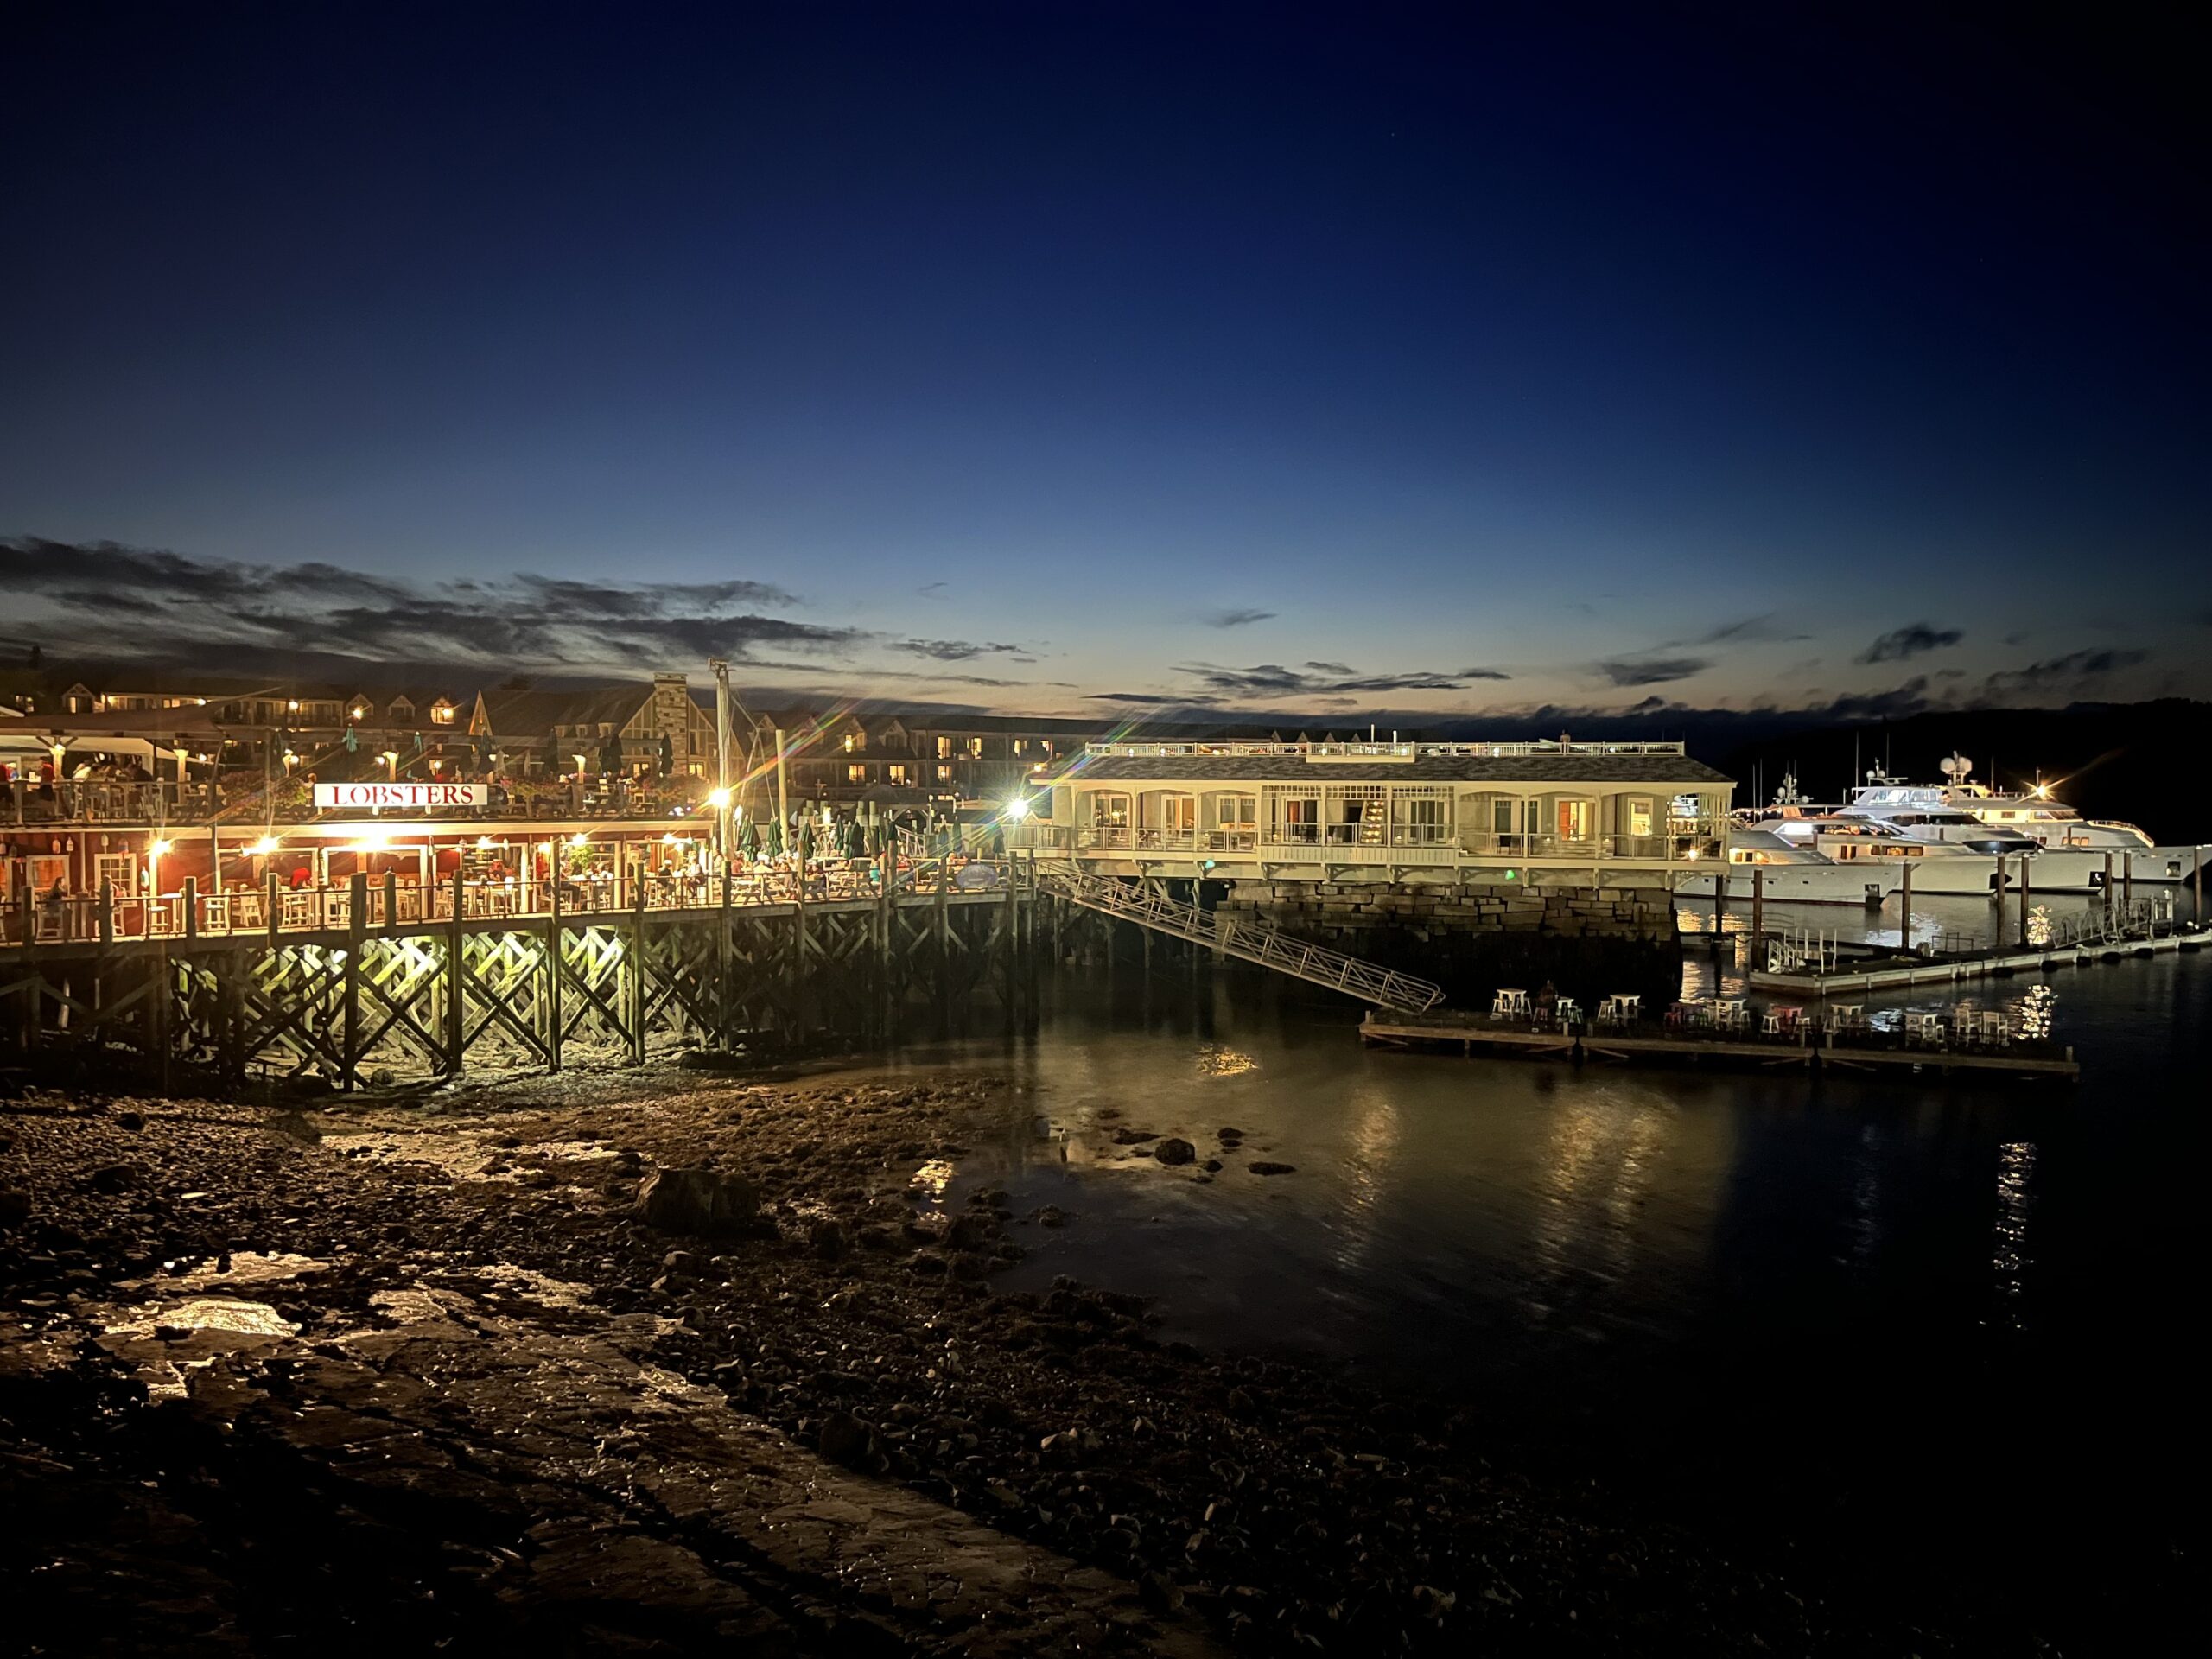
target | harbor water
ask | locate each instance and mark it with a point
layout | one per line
(1933, 1336)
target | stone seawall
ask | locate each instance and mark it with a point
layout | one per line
(1472, 940)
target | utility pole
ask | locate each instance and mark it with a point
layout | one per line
(722, 756)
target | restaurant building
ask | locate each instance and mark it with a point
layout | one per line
(1611, 814)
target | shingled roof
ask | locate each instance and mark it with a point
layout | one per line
(1569, 768)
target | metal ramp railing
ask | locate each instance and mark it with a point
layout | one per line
(1317, 964)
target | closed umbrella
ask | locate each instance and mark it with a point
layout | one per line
(748, 841)
(610, 756)
(667, 755)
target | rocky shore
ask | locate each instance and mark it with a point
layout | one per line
(653, 1362)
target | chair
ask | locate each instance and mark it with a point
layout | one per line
(1567, 1011)
(1509, 1005)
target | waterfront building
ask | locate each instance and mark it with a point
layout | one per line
(1610, 814)
(919, 757)
(630, 729)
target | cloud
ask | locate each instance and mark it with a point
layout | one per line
(1149, 699)
(2067, 673)
(1762, 626)
(1317, 680)
(1652, 670)
(196, 609)
(959, 651)
(1909, 641)
(1234, 619)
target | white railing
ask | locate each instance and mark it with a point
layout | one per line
(1376, 751)
(1376, 985)
(45, 918)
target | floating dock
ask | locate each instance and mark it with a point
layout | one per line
(1867, 1050)
(1986, 965)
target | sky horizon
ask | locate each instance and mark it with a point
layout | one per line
(1090, 359)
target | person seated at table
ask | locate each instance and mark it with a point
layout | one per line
(1547, 1003)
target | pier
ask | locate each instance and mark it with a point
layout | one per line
(1808, 1044)
(1801, 966)
(343, 983)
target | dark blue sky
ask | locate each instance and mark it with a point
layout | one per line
(1018, 354)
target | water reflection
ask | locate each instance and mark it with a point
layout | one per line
(1597, 1175)
(2016, 1168)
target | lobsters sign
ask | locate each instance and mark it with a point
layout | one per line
(392, 798)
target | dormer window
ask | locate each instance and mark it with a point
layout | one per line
(442, 713)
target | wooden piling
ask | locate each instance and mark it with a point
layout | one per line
(1759, 908)
(1905, 931)
(635, 985)
(457, 983)
(552, 988)
(357, 931)
(2027, 897)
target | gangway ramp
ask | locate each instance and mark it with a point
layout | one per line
(1377, 986)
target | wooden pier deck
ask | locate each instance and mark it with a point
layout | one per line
(1997, 964)
(1870, 1051)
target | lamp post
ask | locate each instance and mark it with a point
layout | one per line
(390, 759)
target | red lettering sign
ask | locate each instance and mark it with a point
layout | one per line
(400, 798)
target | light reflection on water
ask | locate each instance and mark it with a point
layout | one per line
(1466, 1219)
(2016, 1171)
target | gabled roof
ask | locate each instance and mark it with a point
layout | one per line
(530, 716)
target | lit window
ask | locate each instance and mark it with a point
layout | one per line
(442, 713)
(898, 774)
(856, 773)
(945, 774)
(976, 746)
(943, 747)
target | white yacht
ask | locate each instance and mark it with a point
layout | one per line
(2073, 848)
(1804, 853)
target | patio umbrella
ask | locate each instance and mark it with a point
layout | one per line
(610, 755)
(748, 841)
(667, 755)
(775, 838)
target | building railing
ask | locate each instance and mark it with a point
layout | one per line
(1346, 843)
(45, 919)
(1374, 751)
(85, 802)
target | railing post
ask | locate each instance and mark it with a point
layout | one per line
(107, 912)
(191, 929)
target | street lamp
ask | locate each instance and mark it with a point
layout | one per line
(390, 759)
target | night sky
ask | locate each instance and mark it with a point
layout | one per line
(1075, 359)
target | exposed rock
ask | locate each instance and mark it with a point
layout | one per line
(1263, 1167)
(14, 1208)
(706, 1202)
(829, 1241)
(1172, 1151)
(972, 1232)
